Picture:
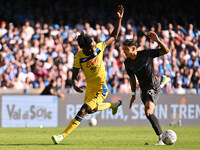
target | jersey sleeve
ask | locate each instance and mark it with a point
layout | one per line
(101, 45)
(76, 62)
(127, 69)
(129, 72)
(153, 52)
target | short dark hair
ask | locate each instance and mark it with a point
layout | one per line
(84, 41)
(130, 42)
(52, 81)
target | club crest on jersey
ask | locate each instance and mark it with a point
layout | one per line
(92, 62)
(94, 68)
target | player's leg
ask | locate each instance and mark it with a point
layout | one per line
(77, 120)
(73, 124)
(101, 96)
(149, 112)
(113, 106)
(103, 93)
(86, 108)
(149, 99)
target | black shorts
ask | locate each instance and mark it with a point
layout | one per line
(150, 95)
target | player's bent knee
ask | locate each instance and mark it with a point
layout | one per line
(89, 110)
(82, 112)
(148, 112)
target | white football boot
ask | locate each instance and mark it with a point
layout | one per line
(57, 138)
(164, 80)
(115, 106)
(160, 142)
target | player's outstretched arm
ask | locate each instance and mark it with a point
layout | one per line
(74, 80)
(153, 36)
(116, 30)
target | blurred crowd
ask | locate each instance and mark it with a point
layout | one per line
(38, 44)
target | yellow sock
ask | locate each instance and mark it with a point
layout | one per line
(104, 106)
(72, 125)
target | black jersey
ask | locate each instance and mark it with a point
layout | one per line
(47, 90)
(142, 67)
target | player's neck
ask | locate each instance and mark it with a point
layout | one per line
(133, 55)
(86, 54)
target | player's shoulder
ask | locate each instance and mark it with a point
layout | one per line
(79, 54)
(142, 51)
(101, 45)
(150, 52)
(127, 61)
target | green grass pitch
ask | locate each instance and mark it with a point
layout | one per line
(100, 138)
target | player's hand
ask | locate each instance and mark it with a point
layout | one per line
(153, 36)
(120, 11)
(78, 89)
(131, 101)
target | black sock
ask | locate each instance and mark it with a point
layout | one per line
(155, 124)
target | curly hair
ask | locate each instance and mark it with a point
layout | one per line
(84, 41)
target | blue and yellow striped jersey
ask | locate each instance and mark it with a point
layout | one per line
(93, 65)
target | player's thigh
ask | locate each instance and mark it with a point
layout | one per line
(149, 100)
(95, 97)
(94, 100)
(150, 95)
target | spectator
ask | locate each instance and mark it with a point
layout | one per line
(190, 89)
(45, 42)
(52, 89)
(114, 84)
(45, 30)
(3, 29)
(18, 84)
(27, 86)
(68, 83)
(21, 75)
(179, 90)
(5, 82)
(28, 30)
(125, 87)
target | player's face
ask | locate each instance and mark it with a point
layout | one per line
(129, 50)
(90, 50)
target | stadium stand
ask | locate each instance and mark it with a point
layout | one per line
(38, 42)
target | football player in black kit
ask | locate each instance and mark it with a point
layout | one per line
(140, 64)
